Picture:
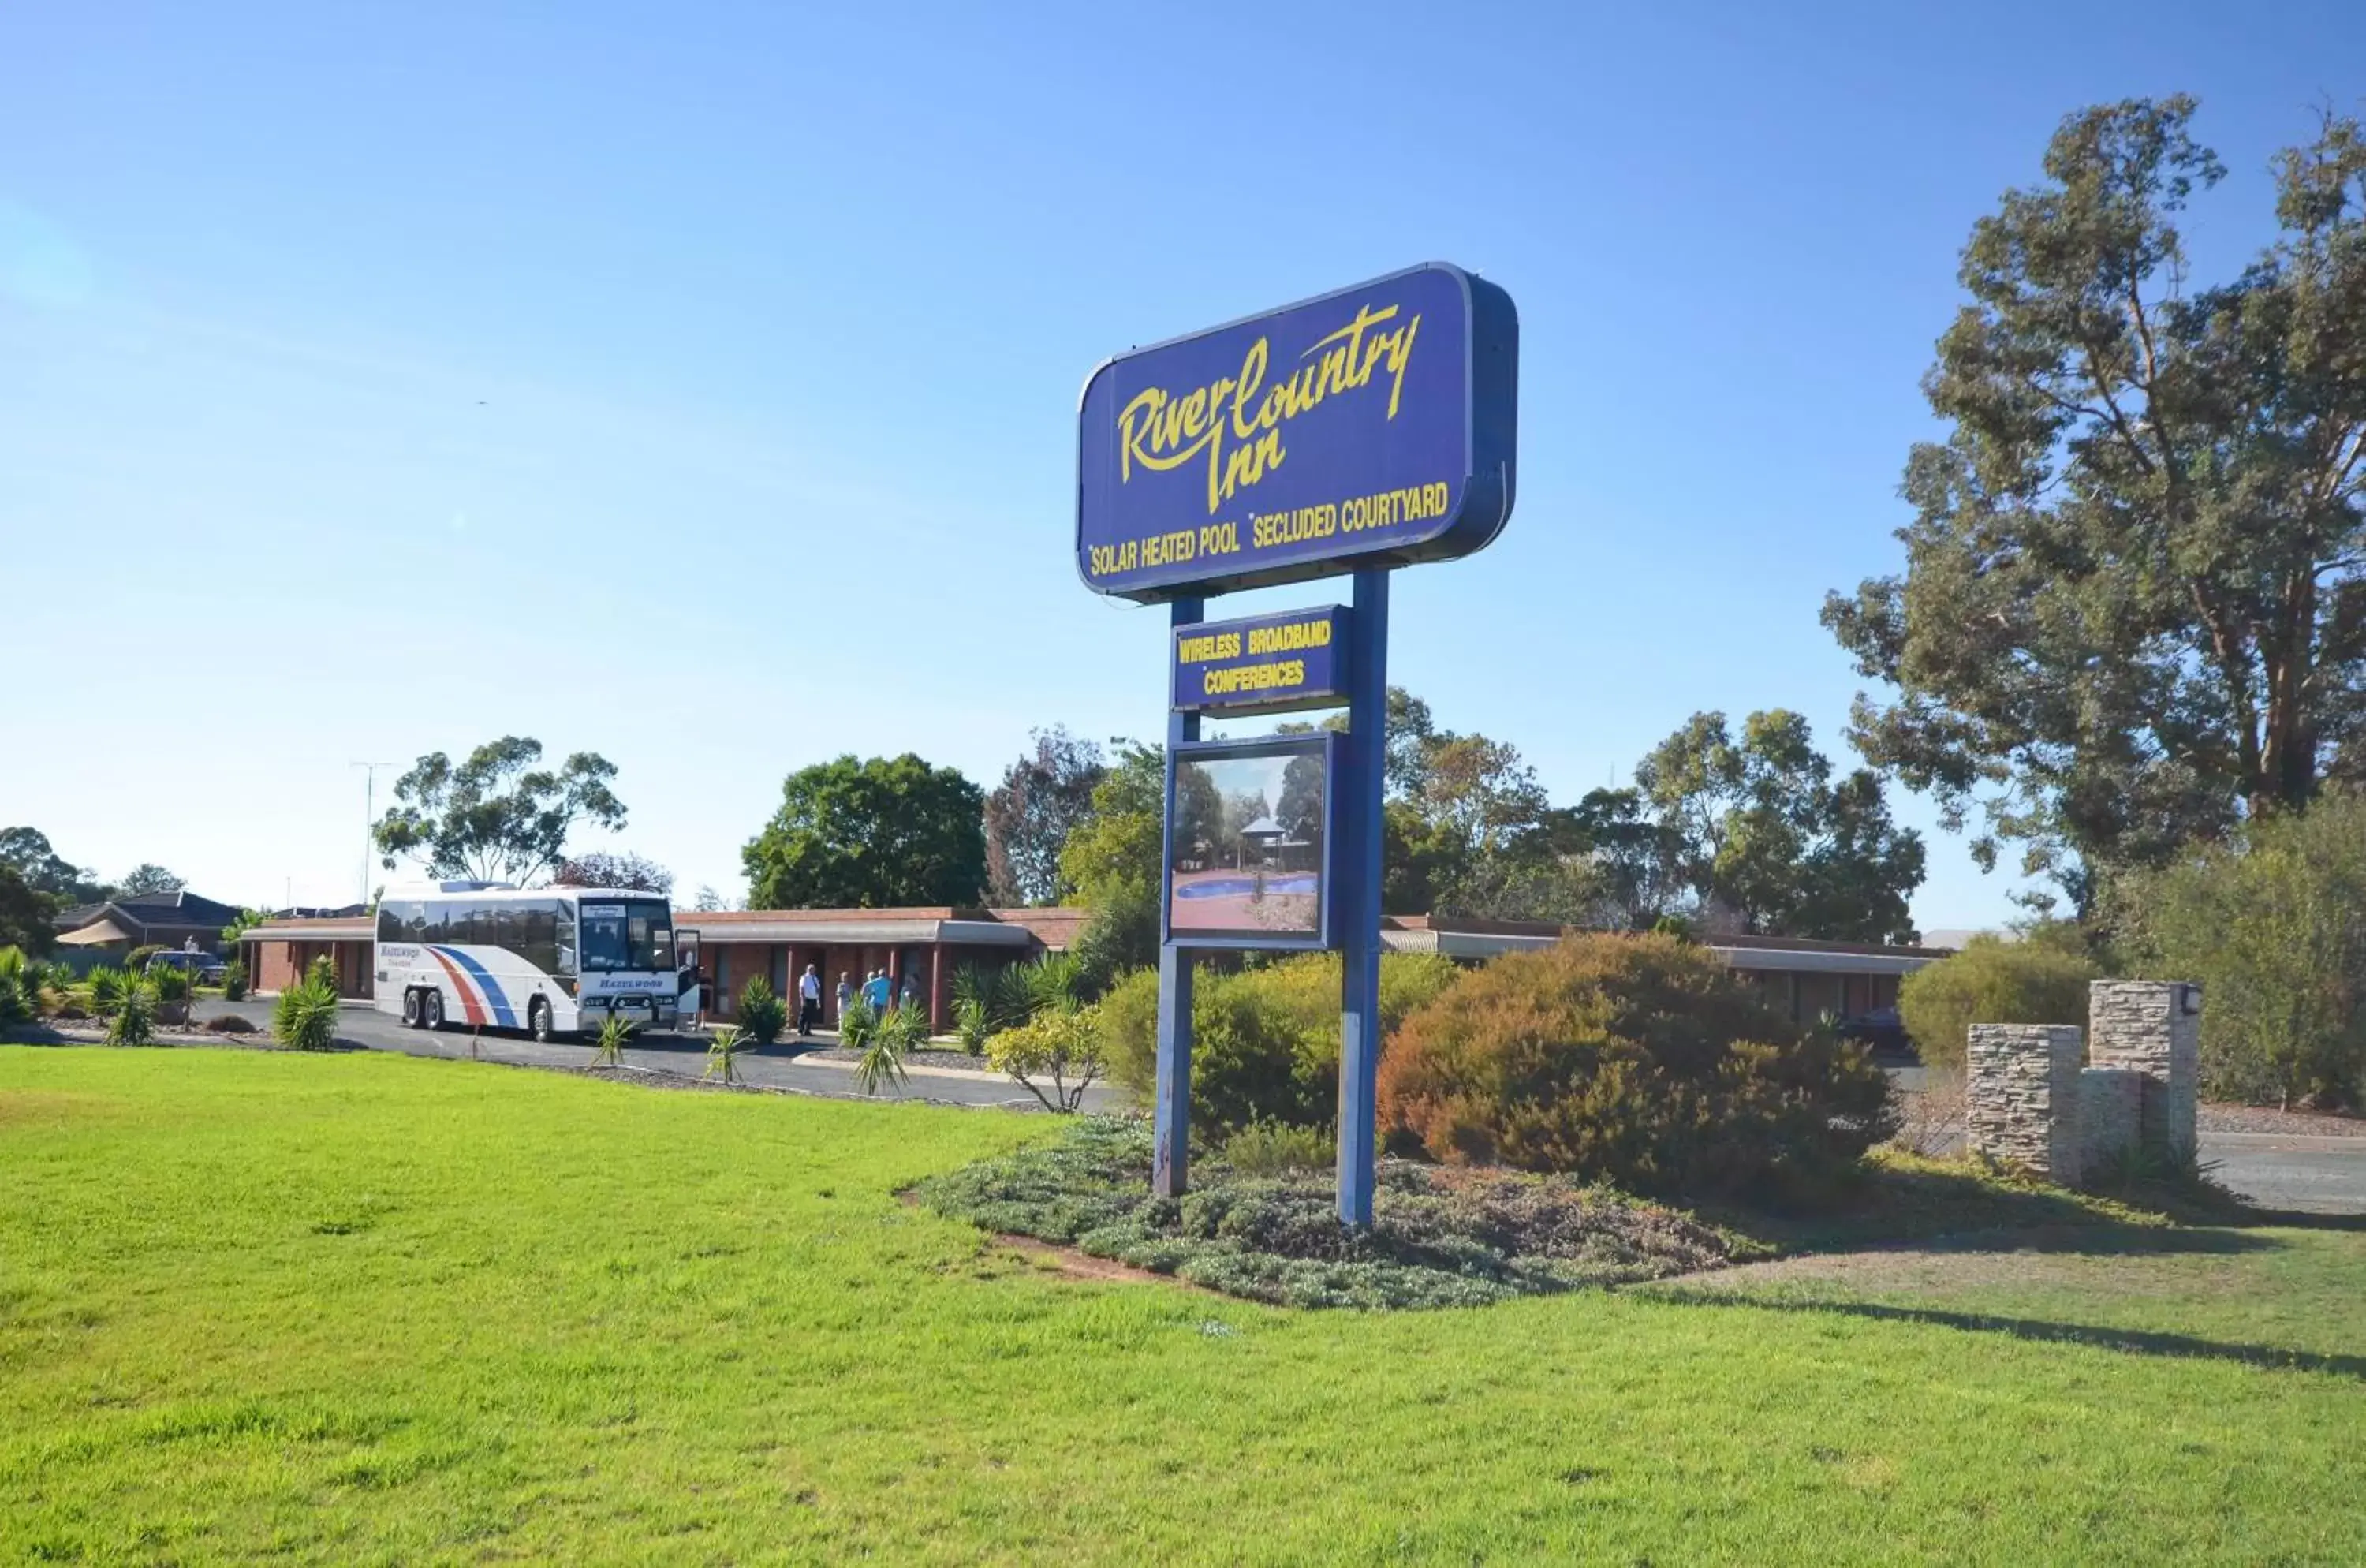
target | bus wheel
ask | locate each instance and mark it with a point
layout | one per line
(538, 1019)
(431, 1010)
(410, 1009)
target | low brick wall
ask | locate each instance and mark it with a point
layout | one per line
(2152, 1027)
(2021, 1096)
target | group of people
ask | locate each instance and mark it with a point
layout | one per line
(878, 991)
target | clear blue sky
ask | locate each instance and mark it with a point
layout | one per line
(696, 383)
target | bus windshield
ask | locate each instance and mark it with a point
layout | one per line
(635, 936)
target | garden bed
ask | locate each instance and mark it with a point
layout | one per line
(1440, 1238)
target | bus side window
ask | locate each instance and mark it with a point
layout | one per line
(538, 937)
(506, 935)
(563, 923)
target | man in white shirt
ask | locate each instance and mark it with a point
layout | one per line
(809, 1001)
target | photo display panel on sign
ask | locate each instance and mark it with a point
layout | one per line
(1248, 842)
(1371, 426)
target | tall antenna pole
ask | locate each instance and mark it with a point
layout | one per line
(369, 816)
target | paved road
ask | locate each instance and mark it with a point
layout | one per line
(2281, 1171)
(775, 1066)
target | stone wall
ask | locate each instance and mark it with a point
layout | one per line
(2111, 1106)
(2021, 1096)
(2152, 1027)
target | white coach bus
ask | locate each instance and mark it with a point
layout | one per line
(552, 960)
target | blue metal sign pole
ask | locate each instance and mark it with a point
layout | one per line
(1170, 1172)
(1361, 766)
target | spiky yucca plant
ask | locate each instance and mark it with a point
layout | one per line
(608, 1049)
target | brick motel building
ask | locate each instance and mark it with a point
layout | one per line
(1802, 978)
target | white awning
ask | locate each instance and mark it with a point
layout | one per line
(1779, 960)
(324, 931)
(855, 931)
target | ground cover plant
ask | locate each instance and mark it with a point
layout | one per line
(365, 1308)
(1439, 1237)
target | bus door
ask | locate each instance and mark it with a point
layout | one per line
(687, 1006)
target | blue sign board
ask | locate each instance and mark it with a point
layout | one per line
(1269, 664)
(1372, 427)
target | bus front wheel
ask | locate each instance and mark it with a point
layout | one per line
(538, 1019)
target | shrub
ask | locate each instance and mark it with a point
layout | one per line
(856, 1025)
(762, 1015)
(2273, 925)
(323, 972)
(171, 984)
(234, 981)
(723, 1054)
(1637, 1060)
(1991, 981)
(105, 984)
(134, 1022)
(305, 1018)
(885, 1042)
(20, 988)
(1058, 1050)
(973, 1023)
(1265, 1041)
(1272, 1148)
(230, 1023)
(135, 961)
(608, 1046)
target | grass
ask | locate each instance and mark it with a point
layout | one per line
(358, 1308)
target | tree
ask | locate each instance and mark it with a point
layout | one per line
(26, 915)
(496, 818)
(27, 851)
(870, 834)
(1763, 842)
(1112, 859)
(149, 879)
(2272, 923)
(1301, 809)
(1029, 815)
(605, 868)
(2133, 608)
(708, 901)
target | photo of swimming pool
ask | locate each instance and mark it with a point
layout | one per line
(1245, 847)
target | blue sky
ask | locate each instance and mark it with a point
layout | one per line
(696, 383)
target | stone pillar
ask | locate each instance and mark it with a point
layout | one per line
(2020, 1093)
(2153, 1027)
(2111, 1110)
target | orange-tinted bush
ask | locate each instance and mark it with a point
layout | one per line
(1637, 1060)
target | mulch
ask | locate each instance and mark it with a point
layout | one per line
(2290, 1123)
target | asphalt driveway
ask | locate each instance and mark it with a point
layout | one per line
(784, 1066)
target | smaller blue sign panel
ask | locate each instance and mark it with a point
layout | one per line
(1265, 664)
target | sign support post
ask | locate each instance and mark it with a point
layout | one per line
(1362, 765)
(1170, 1172)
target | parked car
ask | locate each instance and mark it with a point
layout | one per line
(205, 968)
(1882, 1030)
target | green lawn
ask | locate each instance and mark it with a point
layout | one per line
(367, 1308)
